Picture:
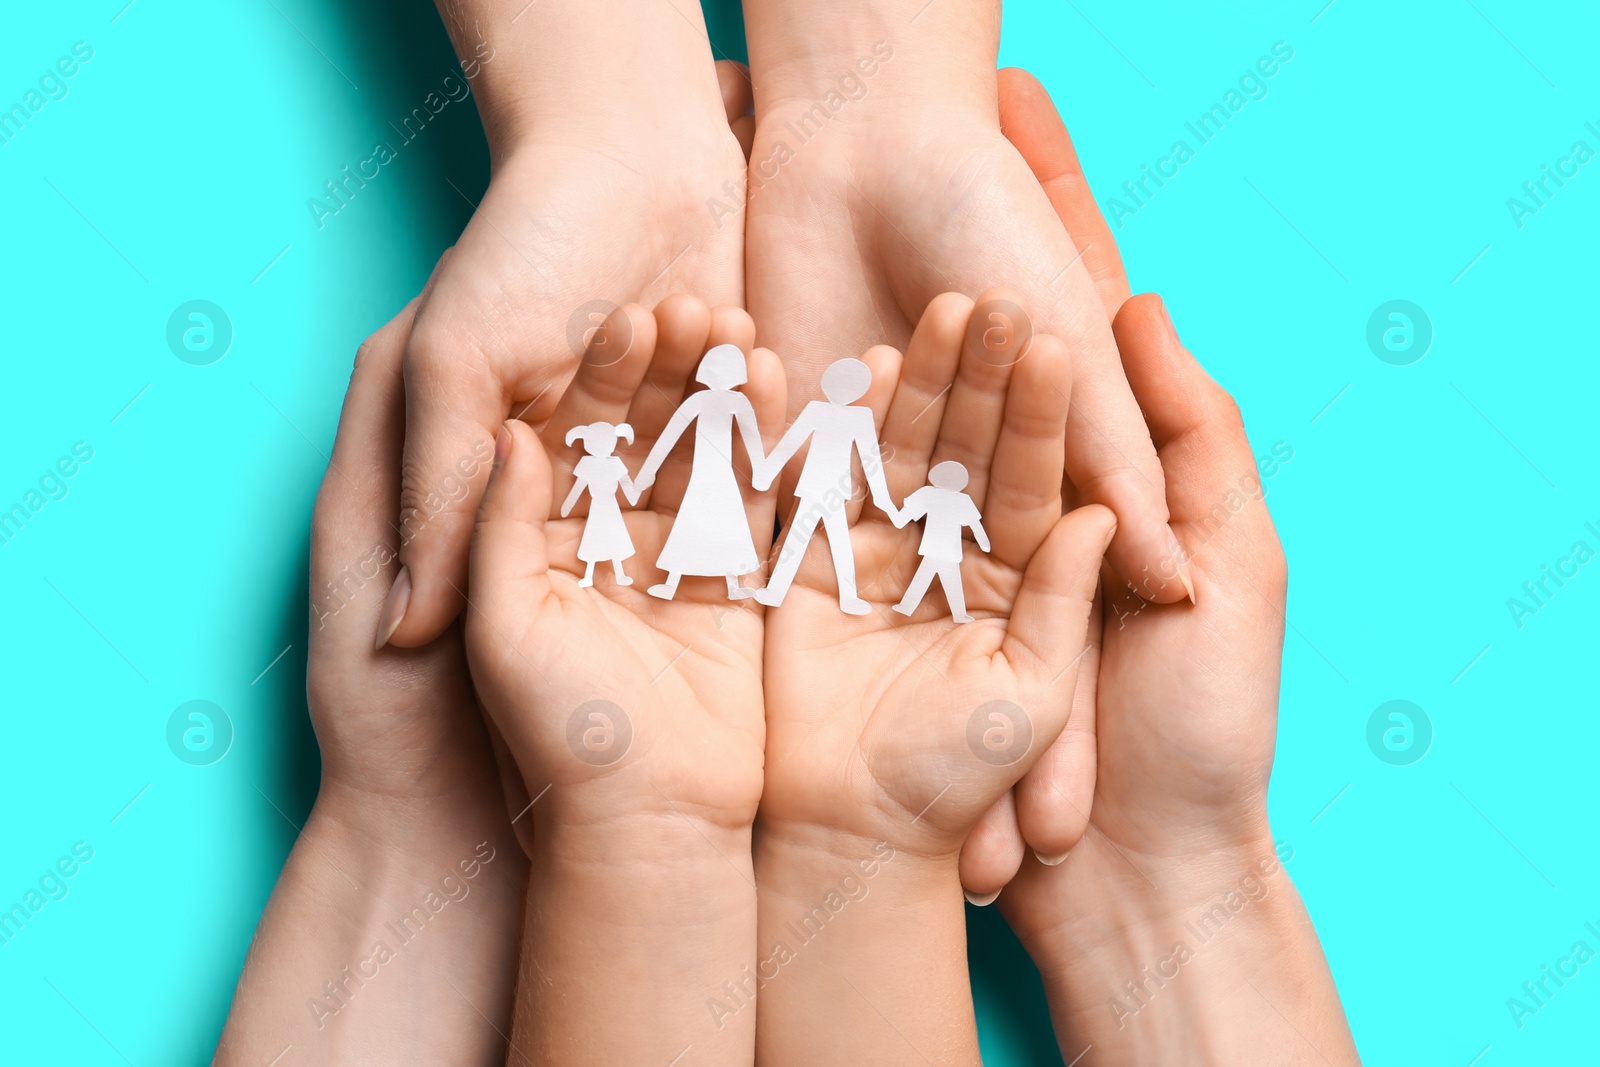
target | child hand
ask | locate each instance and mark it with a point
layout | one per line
(863, 716)
(683, 676)
(637, 722)
(888, 736)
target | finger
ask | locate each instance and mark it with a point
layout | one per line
(683, 326)
(992, 853)
(351, 532)
(1047, 633)
(615, 360)
(732, 326)
(1215, 489)
(884, 362)
(1024, 499)
(738, 101)
(997, 337)
(1054, 797)
(911, 428)
(1111, 461)
(1109, 457)
(454, 402)
(602, 390)
(1031, 123)
(510, 562)
(1178, 396)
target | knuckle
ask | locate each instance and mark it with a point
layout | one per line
(1275, 570)
(440, 348)
(1226, 409)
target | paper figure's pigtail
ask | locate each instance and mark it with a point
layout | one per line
(624, 431)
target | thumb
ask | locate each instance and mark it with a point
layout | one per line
(509, 565)
(1046, 637)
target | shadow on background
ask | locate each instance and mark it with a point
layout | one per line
(1014, 1019)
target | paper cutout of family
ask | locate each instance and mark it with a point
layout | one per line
(711, 534)
(605, 534)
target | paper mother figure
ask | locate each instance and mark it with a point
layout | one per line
(836, 429)
(605, 534)
(710, 535)
(947, 511)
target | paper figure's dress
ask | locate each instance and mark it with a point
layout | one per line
(711, 535)
(605, 534)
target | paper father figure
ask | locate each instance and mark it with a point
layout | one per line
(710, 535)
(605, 534)
(836, 430)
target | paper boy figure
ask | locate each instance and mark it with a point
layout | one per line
(605, 534)
(948, 511)
(836, 430)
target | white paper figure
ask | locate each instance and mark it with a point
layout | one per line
(711, 535)
(836, 430)
(605, 534)
(947, 511)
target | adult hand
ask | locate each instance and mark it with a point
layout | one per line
(880, 177)
(409, 825)
(609, 136)
(1061, 784)
(1179, 881)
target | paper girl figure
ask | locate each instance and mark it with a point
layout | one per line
(605, 534)
(948, 511)
(836, 429)
(711, 535)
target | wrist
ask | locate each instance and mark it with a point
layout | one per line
(566, 74)
(1127, 904)
(1204, 958)
(798, 860)
(651, 924)
(389, 845)
(883, 53)
(376, 911)
(644, 844)
(865, 935)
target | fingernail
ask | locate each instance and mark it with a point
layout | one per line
(1168, 316)
(1181, 562)
(981, 901)
(1049, 861)
(502, 444)
(394, 609)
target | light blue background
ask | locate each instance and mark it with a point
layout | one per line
(1377, 168)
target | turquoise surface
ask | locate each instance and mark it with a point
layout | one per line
(1384, 161)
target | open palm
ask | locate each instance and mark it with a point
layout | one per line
(907, 729)
(621, 701)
